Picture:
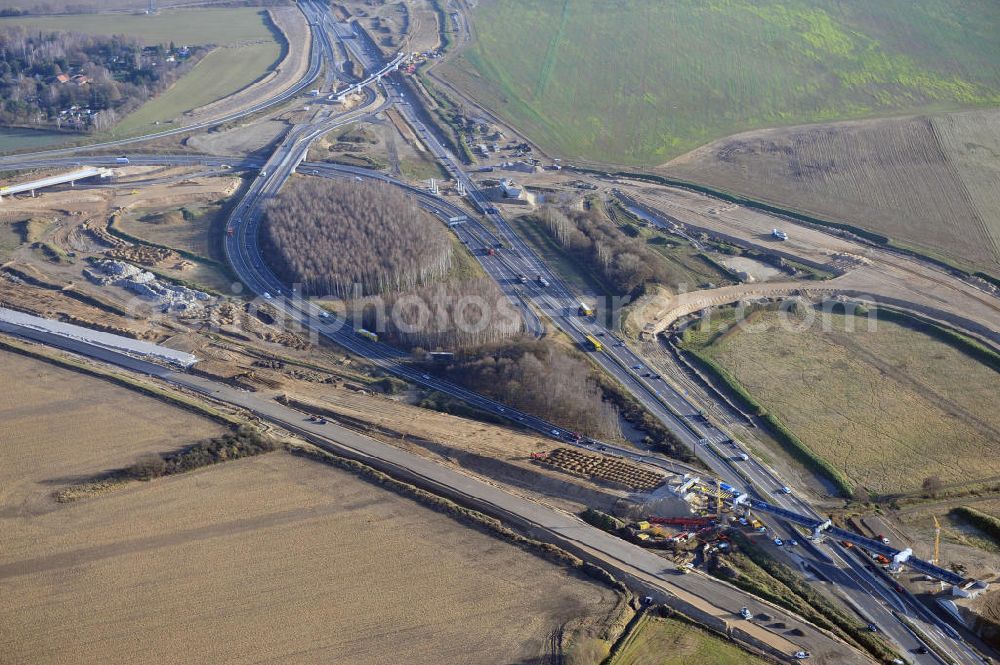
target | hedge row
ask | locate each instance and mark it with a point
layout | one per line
(466, 515)
(797, 584)
(988, 524)
(799, 216)
(789, 441)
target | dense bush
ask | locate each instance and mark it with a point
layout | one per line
(601, 520)
(988, 524)
(242, 443)
(330, 235)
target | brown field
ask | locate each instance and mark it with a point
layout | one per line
(972, 143)
(59, 426)
(928, 183)
(274, 558)
(888, 408)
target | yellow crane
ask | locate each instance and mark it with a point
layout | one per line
(937, 542)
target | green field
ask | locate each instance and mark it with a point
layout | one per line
(248, 49)
(886, 408)
(15, 138)
(221, 73)
(668, 642)
(639, 82)
(191, 27)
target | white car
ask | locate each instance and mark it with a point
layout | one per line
(555, 432)
(800, 655)
(778, 542)
(267, 296)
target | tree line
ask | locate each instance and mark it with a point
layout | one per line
(625, 262)
(541, 378)
(330, 235)
(71, 81)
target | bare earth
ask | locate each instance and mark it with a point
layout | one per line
(879, 274)
(929, 182)
(59, 425)
(268, 559)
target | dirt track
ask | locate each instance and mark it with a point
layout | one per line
(882, 275)
(294, 27)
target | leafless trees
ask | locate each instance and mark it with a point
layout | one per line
(329, 236)
(625, 262)
(452, 315)
(541, 378)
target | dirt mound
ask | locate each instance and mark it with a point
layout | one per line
(168, 217)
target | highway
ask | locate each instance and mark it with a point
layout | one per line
(874, 595)
(313, 12)
(646, 571)
(714, 447)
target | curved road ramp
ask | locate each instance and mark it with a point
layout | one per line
(44, 330)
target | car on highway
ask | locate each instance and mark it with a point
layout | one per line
(800, 655)
(425, 377)
(922, 649)
(637, 367)
(746, 613)
(872, 628)
(786, 490)
(267, 296)
(554, 432)
(791, 543)
(778, 542)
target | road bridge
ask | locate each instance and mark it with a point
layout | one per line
(71, 177)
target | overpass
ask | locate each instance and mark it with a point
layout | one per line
(70, 177)
(870, 544)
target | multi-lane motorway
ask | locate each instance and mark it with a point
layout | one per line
(874, 597)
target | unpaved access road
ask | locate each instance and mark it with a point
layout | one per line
(643, 568)
(883, 275)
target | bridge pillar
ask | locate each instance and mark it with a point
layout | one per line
(818, 531)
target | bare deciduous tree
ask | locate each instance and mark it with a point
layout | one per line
(330, 235)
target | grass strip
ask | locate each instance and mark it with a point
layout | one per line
(788, 440)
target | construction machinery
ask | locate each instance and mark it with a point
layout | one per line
(682, 521)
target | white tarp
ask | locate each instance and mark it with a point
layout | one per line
(97, 338)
